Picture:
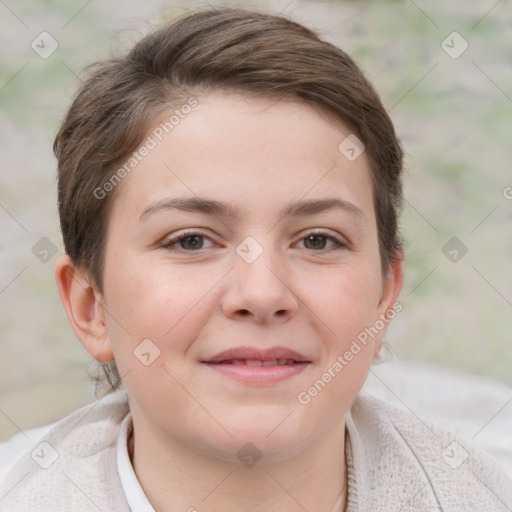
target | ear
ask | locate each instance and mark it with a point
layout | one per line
(388, 307)
(84, 307)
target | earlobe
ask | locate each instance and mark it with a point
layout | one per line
(84, 308)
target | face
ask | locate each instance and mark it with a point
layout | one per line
(254, 274)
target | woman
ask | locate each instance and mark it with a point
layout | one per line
(228, 195)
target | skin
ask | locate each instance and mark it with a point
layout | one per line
(190, 421)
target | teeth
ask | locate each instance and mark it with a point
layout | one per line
(274, 362)
(253, 362)
(257, 362)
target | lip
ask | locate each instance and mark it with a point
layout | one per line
(269, 354)
(220, 363)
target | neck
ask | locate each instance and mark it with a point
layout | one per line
(174, 477)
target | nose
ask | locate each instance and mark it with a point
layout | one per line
(260, 291)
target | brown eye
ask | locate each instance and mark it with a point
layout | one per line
(318, 241)
(315, 241)
(188, 242)
(191, 242)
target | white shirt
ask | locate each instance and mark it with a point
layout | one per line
(134, 494)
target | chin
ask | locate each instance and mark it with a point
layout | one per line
(248, 450)
(269, 437)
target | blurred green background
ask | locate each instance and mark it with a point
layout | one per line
(453, 114)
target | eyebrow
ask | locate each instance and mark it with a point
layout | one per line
(216, 208)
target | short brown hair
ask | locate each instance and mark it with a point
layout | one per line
(243, 51)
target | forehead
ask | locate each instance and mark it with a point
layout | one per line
(258, 153)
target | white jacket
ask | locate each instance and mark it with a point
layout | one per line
(395, 462)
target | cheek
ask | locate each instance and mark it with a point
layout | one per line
(349, 311)
(347, 300)
(154, 301)
(343, 314)
(158, 313)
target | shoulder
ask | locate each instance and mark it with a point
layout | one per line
(68, 465)
(401, 456)
(477, 408)
(12, 449)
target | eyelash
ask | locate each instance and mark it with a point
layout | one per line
(168, 244)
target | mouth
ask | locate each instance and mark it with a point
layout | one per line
(255, 366)
(259, 362)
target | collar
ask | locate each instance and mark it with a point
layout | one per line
(137, 500)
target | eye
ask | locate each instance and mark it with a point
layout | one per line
(193, 241)
(317, 241)
(190, 242)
